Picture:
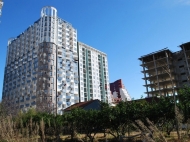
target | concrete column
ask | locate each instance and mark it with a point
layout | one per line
(167, 61)
(155, 66)
(145, 78)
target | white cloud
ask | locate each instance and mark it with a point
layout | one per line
(175, 3)
(183, 2)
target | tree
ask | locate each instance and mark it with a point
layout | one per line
(91, 123)
(73, 121)
(184, 97)
(117, 120)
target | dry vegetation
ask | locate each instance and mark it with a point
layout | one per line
(13, 131)
(128, 121)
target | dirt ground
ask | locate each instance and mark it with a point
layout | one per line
(109, 137)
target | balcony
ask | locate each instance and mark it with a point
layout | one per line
(67, 53)
(59, 50)
(68, 57)
(72, 65)
(59, 54)
(76, 77)
(30, 54)
(21, 106)
(68, 103)
(33, 97)
(63, 78)
(33, 103)
(76, 101)
(27, 105)
(63, 63)
(34, 55)
(76, 92)
(68, 74)
(76, 97)
(35, 51)
(68, 97)
(67, 49)
(59, 76)
(29, 58)
(28, 98)
(75, 57)
(59, 72)
(63, 95)
(60, 101)
(59, 66)
(68, 90)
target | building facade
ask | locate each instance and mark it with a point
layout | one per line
(119, 92)
(1, 6)
(94, 77)
(42, 65)
(165, 72)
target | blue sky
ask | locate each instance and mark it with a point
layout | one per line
(124, 29)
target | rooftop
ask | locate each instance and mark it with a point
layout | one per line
(80, 105)
(159, 51)
(87, 46)
(184, 44)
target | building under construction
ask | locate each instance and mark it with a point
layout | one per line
(165, 72)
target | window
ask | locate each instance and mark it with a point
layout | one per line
(180, 59)
(50, 73)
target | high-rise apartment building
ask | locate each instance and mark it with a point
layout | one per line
(42, 65)
(165, 72)
(119, 92)
(1, 5)
(42, 69)
(94, 77)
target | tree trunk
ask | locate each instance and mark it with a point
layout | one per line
(178, 133)
(72, 134)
